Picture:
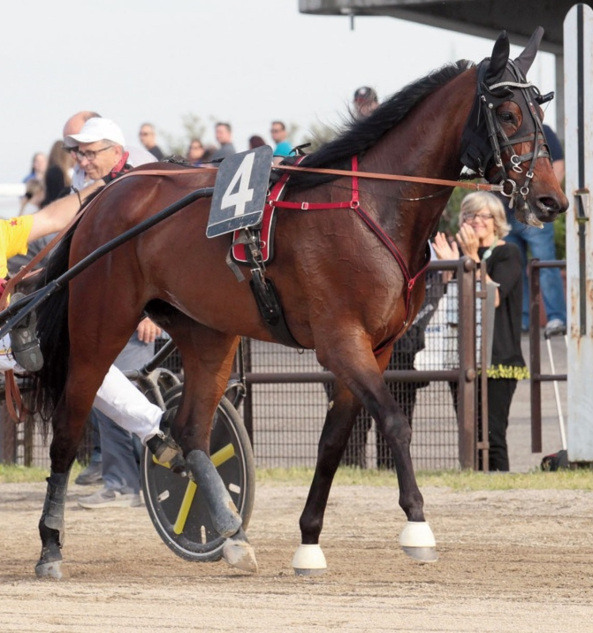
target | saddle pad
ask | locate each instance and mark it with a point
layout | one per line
(266, 239)
(266, 228)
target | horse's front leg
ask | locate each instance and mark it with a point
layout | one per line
(63, 449)
(416, 539)
(363, 375)
(207, 358)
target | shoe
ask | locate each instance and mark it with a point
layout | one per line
(25, 345)
(554, 327)
(92, 474)
(167, 451)
(106, 498)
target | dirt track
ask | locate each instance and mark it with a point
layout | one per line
(512, 561)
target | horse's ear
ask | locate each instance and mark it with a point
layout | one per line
(498, 61)
(526, 58)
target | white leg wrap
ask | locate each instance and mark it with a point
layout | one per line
(309, 560)
(119, 399)
(417, 534)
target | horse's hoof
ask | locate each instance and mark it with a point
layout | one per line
(49, 570)
(238, 553)
(422, 554)
(309, 560)
(418, 542)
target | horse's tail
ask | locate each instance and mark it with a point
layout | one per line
(52, 329)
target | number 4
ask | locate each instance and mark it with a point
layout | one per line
(240, 182)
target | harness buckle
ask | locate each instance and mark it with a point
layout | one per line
(304, 206)
(354, 204)
(516, 162)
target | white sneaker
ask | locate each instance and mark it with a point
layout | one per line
(106, 498)
(554, 327)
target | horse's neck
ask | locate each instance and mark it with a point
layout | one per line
(427, 143)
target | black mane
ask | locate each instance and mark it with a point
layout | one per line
(362, 134)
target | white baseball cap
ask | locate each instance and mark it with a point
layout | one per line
(97, 129)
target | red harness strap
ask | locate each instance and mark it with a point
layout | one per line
(354, 204)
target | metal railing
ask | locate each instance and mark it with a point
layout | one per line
(287, 395)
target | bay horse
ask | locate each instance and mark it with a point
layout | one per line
(349, 279)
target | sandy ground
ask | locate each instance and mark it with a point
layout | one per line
(516, 561)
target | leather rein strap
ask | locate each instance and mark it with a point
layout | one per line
(476, 186)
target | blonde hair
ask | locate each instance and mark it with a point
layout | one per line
(475, 202)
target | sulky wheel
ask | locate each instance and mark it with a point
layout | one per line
(176, 505)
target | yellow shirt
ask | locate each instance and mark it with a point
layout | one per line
(14, 234)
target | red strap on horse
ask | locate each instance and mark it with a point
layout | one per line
(12, 394)
(354, 204)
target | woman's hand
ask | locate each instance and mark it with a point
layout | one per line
(468, 241)
(443, 249)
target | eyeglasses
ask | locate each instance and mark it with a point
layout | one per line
(470, 217)
(90, 154)
(275, 129)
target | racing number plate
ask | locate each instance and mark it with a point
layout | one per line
(240, 191)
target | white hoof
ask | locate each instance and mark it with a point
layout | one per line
(418, 542)
(238, 553)
(309, 560)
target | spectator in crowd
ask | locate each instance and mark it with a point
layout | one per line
(483, 227)
(365, 101)
(256, 141)
(147, 135)
(58, 177)
(224, 138)
(38, 167)
(101, 147)
(279, 134)
(541, 245)
(195, 152)
(33, 197)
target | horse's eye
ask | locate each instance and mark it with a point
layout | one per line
(507, 117)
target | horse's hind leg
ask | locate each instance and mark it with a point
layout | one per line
(65, 441)
(339, 421)
(207, 358)
(84, 378)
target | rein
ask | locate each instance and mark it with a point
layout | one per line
(475, 186)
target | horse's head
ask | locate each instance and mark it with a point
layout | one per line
(504, 139)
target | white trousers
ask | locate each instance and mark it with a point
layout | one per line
(117, 398)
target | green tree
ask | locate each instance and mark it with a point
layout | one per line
(193, 128)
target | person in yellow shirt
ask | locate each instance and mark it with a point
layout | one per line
(17, 232)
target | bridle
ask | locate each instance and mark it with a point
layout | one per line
(484, 142)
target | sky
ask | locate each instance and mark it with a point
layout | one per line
(247, 62)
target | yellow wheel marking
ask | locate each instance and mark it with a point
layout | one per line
(218, 458)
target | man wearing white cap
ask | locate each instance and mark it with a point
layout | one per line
(73, 127)
(100, 150)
